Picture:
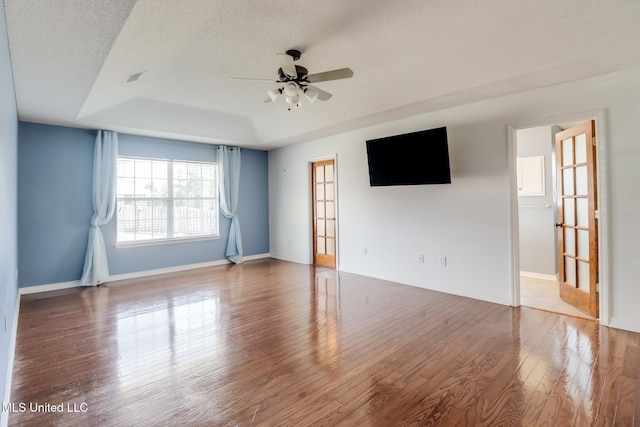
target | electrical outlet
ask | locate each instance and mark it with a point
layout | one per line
(421, 259)
(364, 251)
(443, 261)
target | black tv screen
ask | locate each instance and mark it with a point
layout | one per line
(415, 158)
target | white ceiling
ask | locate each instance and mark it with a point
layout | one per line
(71, 57)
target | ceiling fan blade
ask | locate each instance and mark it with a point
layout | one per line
(287, 65)
(317, 93)
(342, 73)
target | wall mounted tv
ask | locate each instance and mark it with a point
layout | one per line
(415, 158)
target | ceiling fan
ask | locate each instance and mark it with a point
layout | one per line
(296, 81)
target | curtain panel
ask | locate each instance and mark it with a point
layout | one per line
(229, 190)
(105, 162)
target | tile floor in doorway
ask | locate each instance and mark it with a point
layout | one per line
(543, 294)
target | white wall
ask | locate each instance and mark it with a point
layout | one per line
(537, 231)
(467, 221)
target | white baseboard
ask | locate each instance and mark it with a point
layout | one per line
(179, 268)
(48, 287)
(625, 325)
(539, 275)
(135, 275)
(4, 416)
(176, 269)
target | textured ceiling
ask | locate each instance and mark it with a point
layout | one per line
(71, 59)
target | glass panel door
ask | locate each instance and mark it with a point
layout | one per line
(577, 201)
(324, 213)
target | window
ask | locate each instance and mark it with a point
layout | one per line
(161, 200)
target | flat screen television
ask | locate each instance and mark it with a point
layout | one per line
(415, 158)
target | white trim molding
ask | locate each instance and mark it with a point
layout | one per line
(4, 418)
(48, 287)
(624, 325)
(135, 275)
(539, 275)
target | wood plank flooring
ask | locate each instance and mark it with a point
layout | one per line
(271, 343)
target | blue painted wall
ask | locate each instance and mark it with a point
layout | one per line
(8, 203)
(55, 178)
(54, 202)
(253, 206)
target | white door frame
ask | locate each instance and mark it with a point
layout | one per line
(604, 278)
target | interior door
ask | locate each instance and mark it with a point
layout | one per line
(324, 213)
(577, 205)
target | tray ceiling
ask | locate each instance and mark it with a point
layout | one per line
(71, 60)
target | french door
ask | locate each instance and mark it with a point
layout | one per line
(577, 205)
(324, 213)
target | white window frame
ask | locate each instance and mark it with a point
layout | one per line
(170, 201)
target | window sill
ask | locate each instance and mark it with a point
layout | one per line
(126, 245)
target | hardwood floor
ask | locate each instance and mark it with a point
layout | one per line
(274, 343)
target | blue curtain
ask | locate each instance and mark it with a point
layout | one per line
(229, 189)
(105, 163)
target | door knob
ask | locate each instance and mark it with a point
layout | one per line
(558, 224)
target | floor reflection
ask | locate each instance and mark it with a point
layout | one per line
(96, 302)
(325, 316)
(578, 352)
(565, 373)
(165, 337)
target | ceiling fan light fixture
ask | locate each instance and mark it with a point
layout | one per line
(311, 93)
(291, 89)
(296, 80)
(274, 94)
(293, 101)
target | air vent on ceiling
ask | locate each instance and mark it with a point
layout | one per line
(133, 77)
